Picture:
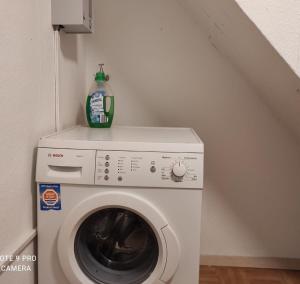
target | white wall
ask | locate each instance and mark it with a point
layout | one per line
(279, 21)
(165, 71)
(27, 112)
(233, 34)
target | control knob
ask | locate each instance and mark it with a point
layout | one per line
(179, 170)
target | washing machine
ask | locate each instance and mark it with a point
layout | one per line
(119, 205)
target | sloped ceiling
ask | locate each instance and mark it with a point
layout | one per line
(236, 36)
(279, 21)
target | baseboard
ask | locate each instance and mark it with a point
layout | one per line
(254, 262)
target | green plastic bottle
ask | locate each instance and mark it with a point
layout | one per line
(100, 103)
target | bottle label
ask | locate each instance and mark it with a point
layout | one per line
(97, 107)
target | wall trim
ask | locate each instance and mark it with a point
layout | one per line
(16, 248)
(254, 262)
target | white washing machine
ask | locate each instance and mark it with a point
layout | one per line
(119, 205)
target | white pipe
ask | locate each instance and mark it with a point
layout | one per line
(56, 78)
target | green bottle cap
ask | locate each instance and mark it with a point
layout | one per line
(100, 76)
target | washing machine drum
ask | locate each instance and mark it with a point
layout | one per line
(116, 246)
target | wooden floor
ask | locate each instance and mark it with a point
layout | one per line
(229, 275)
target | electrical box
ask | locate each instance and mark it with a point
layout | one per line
(73, 16)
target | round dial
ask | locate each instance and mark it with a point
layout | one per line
(179, 169)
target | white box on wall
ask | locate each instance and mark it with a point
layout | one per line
(73, 16)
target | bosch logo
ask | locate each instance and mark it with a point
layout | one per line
(58, 155)
(55, 155)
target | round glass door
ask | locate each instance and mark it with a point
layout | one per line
(116, 246)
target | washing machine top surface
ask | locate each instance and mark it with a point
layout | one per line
(126, 138)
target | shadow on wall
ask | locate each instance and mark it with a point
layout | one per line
(33, 187)
(166, 72)
(72, 69)
(69, 46)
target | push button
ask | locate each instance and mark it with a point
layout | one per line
(106, 164)
(153, 169)
(106, 177)
(106, 171)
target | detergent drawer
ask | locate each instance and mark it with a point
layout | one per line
(65, 166)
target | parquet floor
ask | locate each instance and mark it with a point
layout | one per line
(230, 275)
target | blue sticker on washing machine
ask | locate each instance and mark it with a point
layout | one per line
(50, 197)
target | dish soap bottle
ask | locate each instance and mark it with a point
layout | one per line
(100, 103)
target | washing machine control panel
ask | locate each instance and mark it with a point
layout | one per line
(151, 169)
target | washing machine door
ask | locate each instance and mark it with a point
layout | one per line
(117, 238)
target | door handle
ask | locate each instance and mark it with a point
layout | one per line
(64, 171)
